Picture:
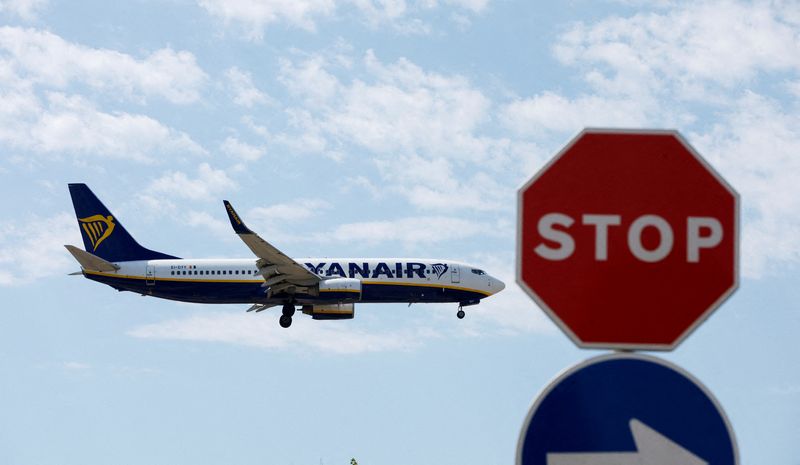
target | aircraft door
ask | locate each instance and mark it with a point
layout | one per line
(150, 275)
(455, 274)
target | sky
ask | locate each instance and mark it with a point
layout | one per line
(361, 128)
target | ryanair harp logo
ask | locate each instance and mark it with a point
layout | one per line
(439, 269)
(97, 228)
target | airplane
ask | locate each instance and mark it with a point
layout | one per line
(323, 288)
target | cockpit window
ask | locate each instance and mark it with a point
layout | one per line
(478, 272)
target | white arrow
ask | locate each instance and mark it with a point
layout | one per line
(652, 448)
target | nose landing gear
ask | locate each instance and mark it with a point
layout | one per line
(463, 304)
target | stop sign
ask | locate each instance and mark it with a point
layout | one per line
(627, 239)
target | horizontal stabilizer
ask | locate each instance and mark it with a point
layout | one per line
(90, 262)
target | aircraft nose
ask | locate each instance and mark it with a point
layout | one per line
(498, 285)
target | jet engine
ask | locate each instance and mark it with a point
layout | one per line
(340, 290)
(330, 312)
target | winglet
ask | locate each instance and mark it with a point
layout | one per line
(236, 222)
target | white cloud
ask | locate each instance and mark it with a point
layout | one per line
(472, 5)
(404, 109)
(421, 129)
(207, 185)
(309, 79)
(215, 224)
(245, 93)
(262, 331)
(296, 210)
(410, 231)
(407, 109)
(756, 149)
(72, 125)
(432, 184)
(25, 9)
(549, 111)
(36, 116)
(241, 150)
(45, 59)
(794, 88)
(76, 366)
(687, 48)
(252, 17)
(647, 69)
(33, 247)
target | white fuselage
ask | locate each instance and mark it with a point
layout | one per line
(238, 280)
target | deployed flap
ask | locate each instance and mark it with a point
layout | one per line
(90, 262)
(272, 262)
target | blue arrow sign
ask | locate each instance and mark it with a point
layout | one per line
(626, 409)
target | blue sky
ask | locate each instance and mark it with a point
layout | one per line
(361, 128)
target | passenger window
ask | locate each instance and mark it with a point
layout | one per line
(172, 272)
(237, 271)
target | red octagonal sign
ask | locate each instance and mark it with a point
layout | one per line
(627, 239)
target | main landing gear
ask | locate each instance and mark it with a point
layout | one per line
(286, 318)
(460, 314)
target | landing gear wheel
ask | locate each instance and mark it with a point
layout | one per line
(460, 314)
(285, 321)
(288, 310)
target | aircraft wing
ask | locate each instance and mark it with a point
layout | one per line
(278, 270)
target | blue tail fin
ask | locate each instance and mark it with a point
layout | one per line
(103, 234)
